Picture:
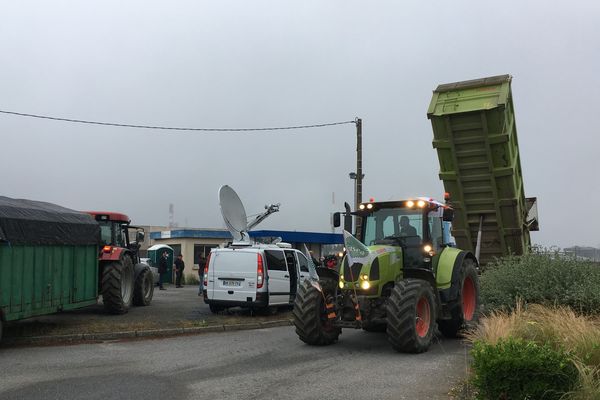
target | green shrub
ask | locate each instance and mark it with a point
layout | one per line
(542, 279)
(515, 369)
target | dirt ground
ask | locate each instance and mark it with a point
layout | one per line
(171, 308)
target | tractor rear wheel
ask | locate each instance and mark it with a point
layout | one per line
(117, 285)
(411, 316)
(464, 310)
(310, 316)
(143, 290)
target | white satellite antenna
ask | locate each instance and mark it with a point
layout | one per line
(234, 214)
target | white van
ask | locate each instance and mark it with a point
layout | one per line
(257, 276)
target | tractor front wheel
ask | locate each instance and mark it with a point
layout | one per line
(117, 285)
(411, 316)
(143, 290)
(464, 311)
(311, 316)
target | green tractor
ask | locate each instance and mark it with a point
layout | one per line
(404, 276)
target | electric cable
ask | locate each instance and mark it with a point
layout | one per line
(81, 121)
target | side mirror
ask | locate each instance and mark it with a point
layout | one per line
(448, 215)
(336, 219)
(348, 223)
(139, 236)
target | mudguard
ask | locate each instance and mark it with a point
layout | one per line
(327, 273)
(114, 254)
(448, 272)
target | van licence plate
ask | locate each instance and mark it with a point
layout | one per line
(232, 283)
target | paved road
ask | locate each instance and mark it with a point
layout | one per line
(169, 309)
(260, 364)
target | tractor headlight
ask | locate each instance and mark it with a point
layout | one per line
(410, 204)
(420, 204)
(369, 206)
(365, 277)
(427, 248)
(341, 284)
(365, 285)
(361, 207)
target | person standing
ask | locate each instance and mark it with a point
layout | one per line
(162, 269)
(201, 266)
(179, 266)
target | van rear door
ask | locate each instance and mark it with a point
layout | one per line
(234, 275)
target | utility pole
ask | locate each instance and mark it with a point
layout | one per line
(359, 174)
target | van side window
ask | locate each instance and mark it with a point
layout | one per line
(275, 260)
(303, 262)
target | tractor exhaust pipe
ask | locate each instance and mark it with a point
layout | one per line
(478, 247)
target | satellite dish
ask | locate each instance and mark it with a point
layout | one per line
(233, 213)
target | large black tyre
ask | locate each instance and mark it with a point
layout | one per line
(310, 317)
(117, 286)
(464, 310)
(143, 290)
(411, 316)
(215, 309)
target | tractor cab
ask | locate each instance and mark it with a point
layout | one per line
(421, 227)
(116, 231)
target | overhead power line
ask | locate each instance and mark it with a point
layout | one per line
(169, 128)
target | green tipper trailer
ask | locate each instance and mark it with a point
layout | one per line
(48, 259)
(475, 136)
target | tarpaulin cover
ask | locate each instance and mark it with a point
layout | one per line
(39, 223)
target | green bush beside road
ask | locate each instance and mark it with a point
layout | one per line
(542, 279)
(520, 369)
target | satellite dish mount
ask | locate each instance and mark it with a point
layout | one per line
(234, 214)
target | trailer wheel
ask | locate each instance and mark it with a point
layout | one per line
(310, 316)
(143, 290)
(411, 316)
(117, 286)
(464, 310)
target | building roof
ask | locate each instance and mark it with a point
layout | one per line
(286, 236)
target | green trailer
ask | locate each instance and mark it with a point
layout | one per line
(48, 259)
(475, 136)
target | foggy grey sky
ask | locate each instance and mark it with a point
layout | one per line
(275, 63)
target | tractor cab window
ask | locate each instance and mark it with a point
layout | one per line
(119, 237)
(111, 234)
(436, 234)
(106, 232)
(392, 224)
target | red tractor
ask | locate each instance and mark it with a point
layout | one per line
(122, 279)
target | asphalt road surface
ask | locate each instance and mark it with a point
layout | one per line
(256, 364)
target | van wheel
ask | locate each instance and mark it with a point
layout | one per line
(215, 309)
